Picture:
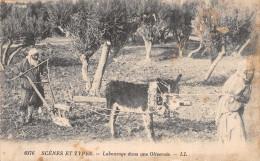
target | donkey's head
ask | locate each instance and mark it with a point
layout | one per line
(169, 86)
(164, 87)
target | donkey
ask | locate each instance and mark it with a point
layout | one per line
(130, 97)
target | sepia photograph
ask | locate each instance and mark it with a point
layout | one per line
(170, 80)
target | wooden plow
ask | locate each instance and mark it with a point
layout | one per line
(81, 99)
(169, 100)
(57, 111)
(172, 100)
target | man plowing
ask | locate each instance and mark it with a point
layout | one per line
(29, 98)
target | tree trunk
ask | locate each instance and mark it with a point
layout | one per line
(10, 42)
(182, 45)
(84, 71)
(2, 45)
(133, 37)
(1, 66)
(214, 64)
(100, 70)
(196, 50)
(180, 51)
(243, 47)
(148, 48)
(234, 53)
(13, 54)
(147, 42)
(204, 51)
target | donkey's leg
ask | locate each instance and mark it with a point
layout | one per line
(148, 123)
(113, 116)
(151, 125)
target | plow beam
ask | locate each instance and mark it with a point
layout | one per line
(79, 99)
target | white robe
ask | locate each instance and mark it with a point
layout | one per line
(229, 118)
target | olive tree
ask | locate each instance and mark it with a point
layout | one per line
(148, 11)
(60, 15)
(222, 29)
(21, 24)
(12, 29)
(231, 34)
(178, 22)
(100, 25)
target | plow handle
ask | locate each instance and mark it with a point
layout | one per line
(58, 120)
(39, 94)
(48, 75)
(29, 70)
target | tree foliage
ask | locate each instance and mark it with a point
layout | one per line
(97, 21)
(5, 10)
(22, 24)
(60, 13)
(225, 25)
(178, 22)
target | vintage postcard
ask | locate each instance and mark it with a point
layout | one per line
(174, 80)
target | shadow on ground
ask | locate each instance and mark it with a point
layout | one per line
(215, 81)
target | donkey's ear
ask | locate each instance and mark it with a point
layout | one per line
(178, 78)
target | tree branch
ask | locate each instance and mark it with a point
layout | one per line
(243, 47)
(196, 50)
(14, 53)
(1, 66)
(214, 64)
(10, 42)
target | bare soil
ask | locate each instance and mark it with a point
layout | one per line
(190, 123)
